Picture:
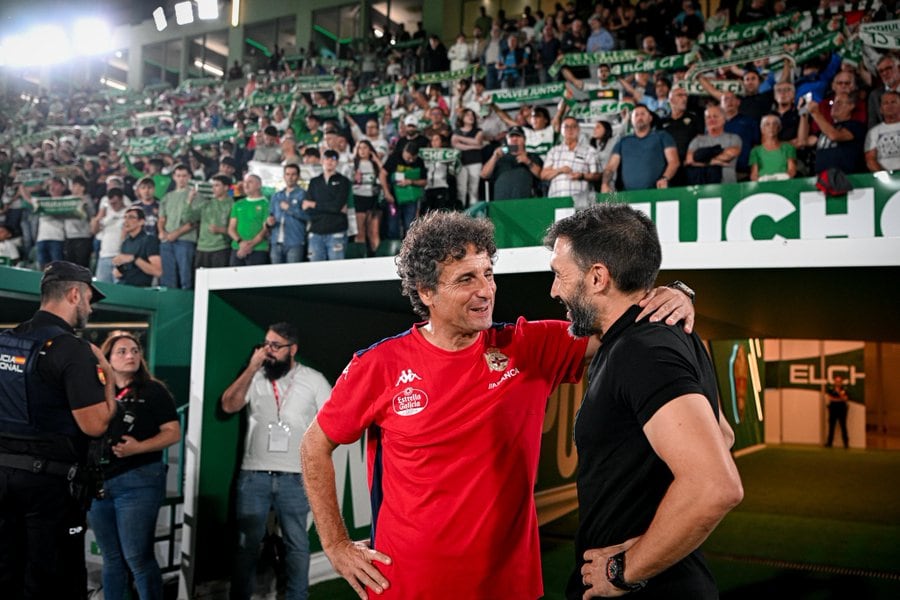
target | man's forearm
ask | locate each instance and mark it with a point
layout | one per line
(318, 476)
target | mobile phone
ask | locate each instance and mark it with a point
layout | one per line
(513, 148)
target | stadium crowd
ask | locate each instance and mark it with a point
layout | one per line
(322, 158)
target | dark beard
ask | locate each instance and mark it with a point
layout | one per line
(275, 369)
(584, 315)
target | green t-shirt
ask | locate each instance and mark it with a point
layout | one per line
(251, 215)
(408, 193)
(175, 208)
(210, 211)
(772, 161)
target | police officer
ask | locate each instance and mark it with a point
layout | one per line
(56, 391)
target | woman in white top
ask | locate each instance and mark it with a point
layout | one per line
(366, 199)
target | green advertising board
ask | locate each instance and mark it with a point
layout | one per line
(752, 211)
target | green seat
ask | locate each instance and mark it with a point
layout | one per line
(356, 250)
(388, 248)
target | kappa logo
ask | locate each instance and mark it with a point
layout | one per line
(410, 401)
(407, 376)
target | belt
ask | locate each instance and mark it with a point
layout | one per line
(275, 473)
(38, 465)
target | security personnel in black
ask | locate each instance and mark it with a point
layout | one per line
(56, 392)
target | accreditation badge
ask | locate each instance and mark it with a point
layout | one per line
(279, 437)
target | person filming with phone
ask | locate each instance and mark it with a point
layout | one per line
(515, 172)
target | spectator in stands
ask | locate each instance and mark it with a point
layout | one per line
(742, 126)
(657, 103)
(514, 171)
(493, 53)
(845, 81)
(178, 232)
(107, 225)
(79, 237)
(785, 107)
(51, 230)
(570, 167)
(772, 159)
(435, 55)
(689, 21)
(512, 63)
(326, 203)
(146, 200)
(683, 125)
(540, 131)
(287, 220)
(411, 135)
(469, 140)
(366, 195)
(247, 225)
(213, 213)
(548, 50)
(438, 192)
(313, 135)
(459, 53)
(839, 144)
(600, 39)
(438, 125)
(648, 157)
(712, 157)
(403, 181)
(268, 149)
(154, 170)
(755, 10)
(138, 261)
(883, 140)
(888, 67)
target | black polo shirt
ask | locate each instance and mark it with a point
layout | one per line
(141, 246)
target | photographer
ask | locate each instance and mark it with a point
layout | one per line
(123, 517)
(515, 172)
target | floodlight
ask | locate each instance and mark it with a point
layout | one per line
(184, 13)
(159, 17)
(207, 9)
(211, 69)
(91, 36)
(235, 13)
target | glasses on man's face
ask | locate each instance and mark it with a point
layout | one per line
(273, 345)
(130, 217)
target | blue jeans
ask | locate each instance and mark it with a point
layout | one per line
(104, 270)
(327, 246)
(49, 251)
(257, 493)
(279, 253)
(177, 264)
(124, 522)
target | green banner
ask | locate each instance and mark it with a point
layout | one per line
(589, 59)
(749, 31)
(146, 146)
(447, 155)
(741, 212)
(826, 43)
(209, 138)
(339, 63)
(266, 99)
(475, 71)
(775, 44)
(307, 85)
(666, 63)
(199, 82)
(359, 108)
(63, 207)
(30, 177)
(546, 91)
(734, 86)
(881, 35)
(381, 91)
(594, 110)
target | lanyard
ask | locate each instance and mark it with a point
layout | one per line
(123, 393)
(277, 395)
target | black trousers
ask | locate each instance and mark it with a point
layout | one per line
(41, 538)
(837, 413)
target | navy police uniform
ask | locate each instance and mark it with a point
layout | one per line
(41, 448)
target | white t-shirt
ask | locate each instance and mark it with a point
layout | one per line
(301, 392)
(110, 234)
(885, 139)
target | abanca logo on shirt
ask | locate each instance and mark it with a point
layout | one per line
(410, 401)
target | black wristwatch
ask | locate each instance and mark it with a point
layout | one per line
(615, 573)
(683, 288)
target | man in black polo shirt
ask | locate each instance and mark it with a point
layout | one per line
(56, 390)
(138, 261)
(326, 203)
(655, 473)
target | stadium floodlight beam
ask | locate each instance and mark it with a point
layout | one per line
(207, 10)
(184, 13)
(159, 17)
(91, 36)
(235, 13)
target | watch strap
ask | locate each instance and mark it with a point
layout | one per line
(615, 573)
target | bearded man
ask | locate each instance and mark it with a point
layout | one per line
(282, 398)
